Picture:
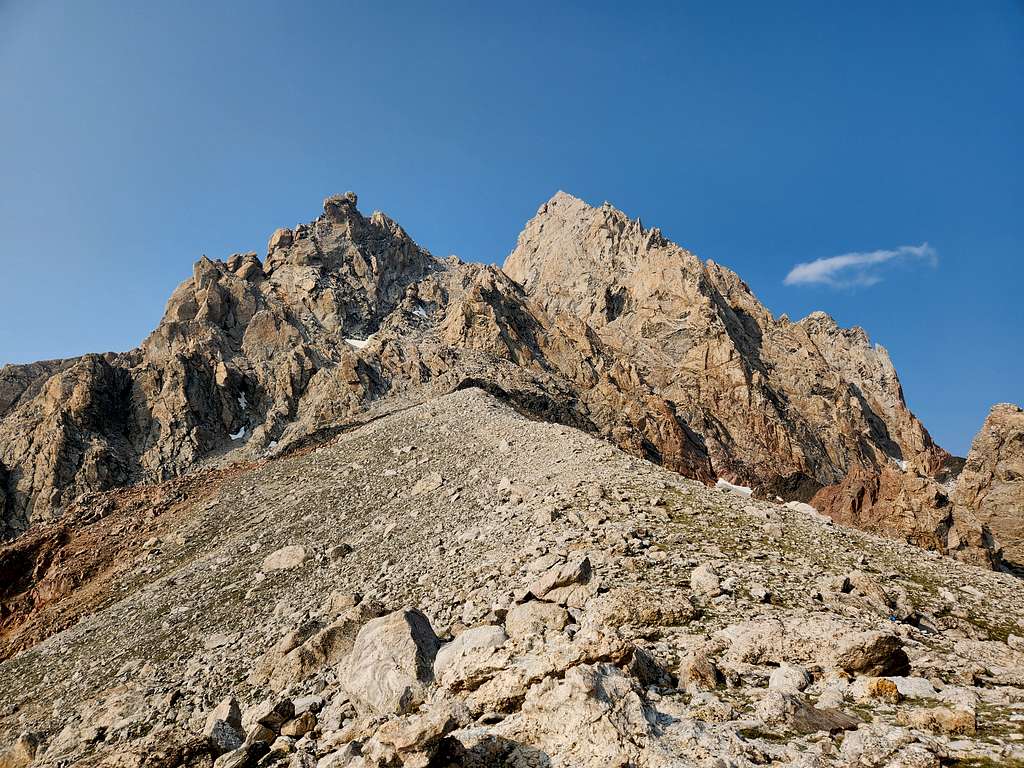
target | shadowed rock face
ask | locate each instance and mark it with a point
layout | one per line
(912, 507)
(992, 480)
(595, 322)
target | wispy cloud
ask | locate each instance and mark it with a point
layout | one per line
(858, 269)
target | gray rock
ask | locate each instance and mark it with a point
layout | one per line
(789, 678)
(391, 662)
(535, 618)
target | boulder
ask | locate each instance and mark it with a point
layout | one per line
(391, 663)
(698, 672)
(570, 584)
(285, 558)
(535, 618)
(704, 581)
(271, 713)
(823, 640)
(791, 709)
(789, 678)
(469, 642)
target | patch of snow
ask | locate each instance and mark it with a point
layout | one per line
(359, 343)
(242, 402)
(239, 434)
(902, 464)
(420, 312)
(807, 509)
(739, 490)
(273, 445)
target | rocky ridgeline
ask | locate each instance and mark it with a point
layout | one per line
(594, 322)
(454, 584)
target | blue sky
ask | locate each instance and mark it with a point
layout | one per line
(138, 136)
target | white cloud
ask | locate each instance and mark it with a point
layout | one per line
(858, 269)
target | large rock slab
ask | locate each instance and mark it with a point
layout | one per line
(391, 663)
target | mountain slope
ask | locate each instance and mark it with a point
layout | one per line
(703, 628)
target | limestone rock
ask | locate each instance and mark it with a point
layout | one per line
(789, 678)
(477, 639)
(285, 558)
(704, 581)
(391, 662)
(535, 618)
(991, 483)
(791, 709)
(570, 584)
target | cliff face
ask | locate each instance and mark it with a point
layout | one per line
(781, 405)
(992, 480)
(595, 322)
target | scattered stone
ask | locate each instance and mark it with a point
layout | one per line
(789, 678)
(285, 558)
(704, 581)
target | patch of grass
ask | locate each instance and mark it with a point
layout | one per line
(750, 734)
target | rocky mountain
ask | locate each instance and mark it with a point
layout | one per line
(454, 584)
(352, 505)
(594, 322)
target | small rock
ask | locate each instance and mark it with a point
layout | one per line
(791, 678)
(285, 558)
(535, 618)
(272, 714)
(697, 672)
(704, 581)
(299, 726)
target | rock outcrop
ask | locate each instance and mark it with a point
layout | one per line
(912, 507)
(991, 483)
(256, 356)
(779, 405)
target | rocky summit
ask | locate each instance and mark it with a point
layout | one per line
(351, 504)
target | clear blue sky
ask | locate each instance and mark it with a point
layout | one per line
(136, 137)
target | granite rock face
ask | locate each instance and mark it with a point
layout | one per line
(594, 322)
(254, 356)
(992, 481)
(778, 404)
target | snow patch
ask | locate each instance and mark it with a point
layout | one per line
(242, 402)
(359, 343)
(239, 434)
(739, 490)
(806, 509)
(420, 312)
